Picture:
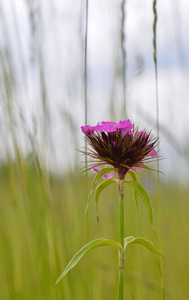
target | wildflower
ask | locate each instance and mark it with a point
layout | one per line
(120, 145)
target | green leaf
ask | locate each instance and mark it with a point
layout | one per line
(155, 233)
(94, 183)
(135, 192)
(132, 175)
(85, 170)
(149, 245)
(100, 174)
(144, 195)
(99, 189)
(91, 245)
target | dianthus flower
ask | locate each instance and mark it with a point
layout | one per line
(120, 145)
(123, 148)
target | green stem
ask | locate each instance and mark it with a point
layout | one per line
(120, 287)
(121, 259)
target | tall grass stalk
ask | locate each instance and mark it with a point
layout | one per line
(20, 52)
(86, 121)
(36, 25)
(124, 114)
(86, 107)
(157, 128)
(123, 51)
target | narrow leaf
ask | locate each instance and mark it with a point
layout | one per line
(144, 195)
(94, 183)
(133, 175)
(99, 190)
(85, 170)
(91, 245)
(149, 245)
(155, 233)
(100, 174)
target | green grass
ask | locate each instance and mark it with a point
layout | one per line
(42, 225)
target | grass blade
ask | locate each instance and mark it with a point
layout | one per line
(91, 245)
(144, 195)
(94, 183)
(99, 189)
(149, 245)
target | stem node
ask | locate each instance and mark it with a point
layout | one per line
(121, 260)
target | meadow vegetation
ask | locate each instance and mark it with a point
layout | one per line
(43, 224)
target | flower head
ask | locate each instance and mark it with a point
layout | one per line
(120, 145)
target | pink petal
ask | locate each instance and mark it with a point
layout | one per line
(98, 127)
(124, 124)
(143, 132)
(88, 130)
(109, 176)
(109, 129)
(153, 153)
(137, 168)
(125, 127)
(124, 131)
(108, 123)
(105, 127)
(97, 169)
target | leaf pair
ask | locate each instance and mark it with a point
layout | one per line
(137, 187)
(105, 242)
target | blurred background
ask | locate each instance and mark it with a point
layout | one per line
(42, 107)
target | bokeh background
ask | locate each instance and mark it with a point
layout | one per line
(42, 107)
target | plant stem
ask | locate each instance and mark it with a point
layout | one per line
(120, 287)
(121, 259)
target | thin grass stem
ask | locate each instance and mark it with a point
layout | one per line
(86, 162)
(157, 128)
(123, 51)
(86, 107)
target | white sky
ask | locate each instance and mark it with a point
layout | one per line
(58, 32)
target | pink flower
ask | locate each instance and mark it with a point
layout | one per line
(119, 145)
